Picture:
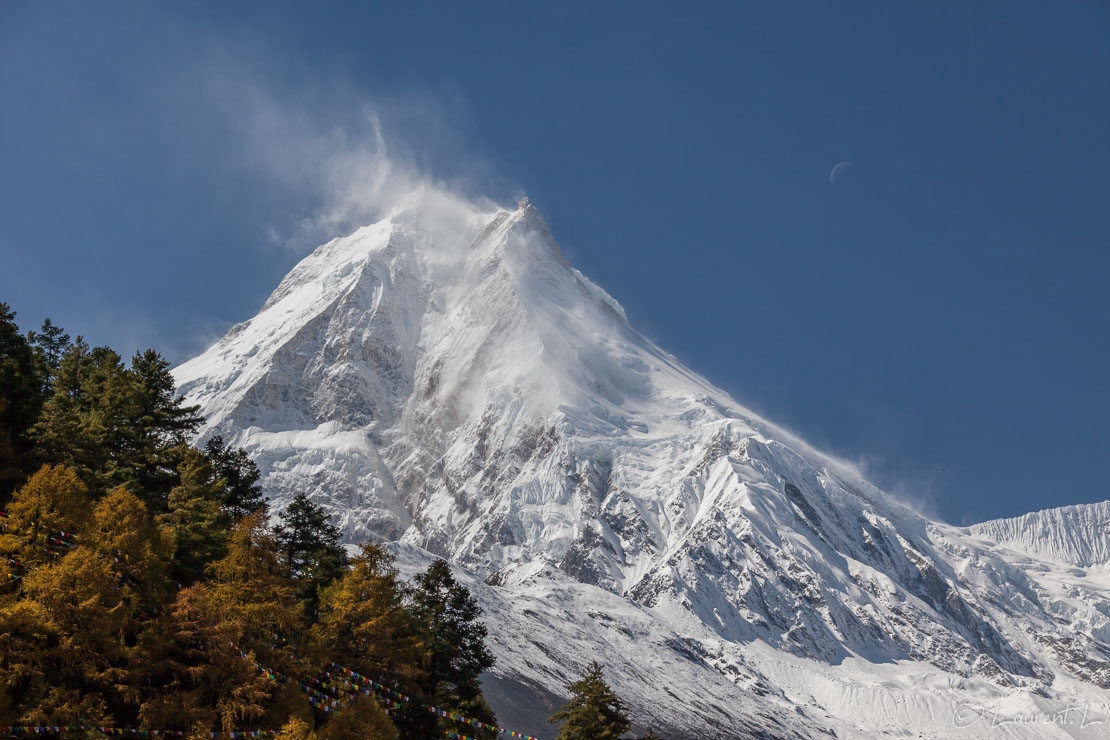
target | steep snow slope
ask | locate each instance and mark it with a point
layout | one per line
(1075, 535)
(444, 378)
(547, 627)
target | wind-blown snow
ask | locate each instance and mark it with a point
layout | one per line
(445, 379)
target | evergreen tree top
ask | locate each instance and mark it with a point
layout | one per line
(594, 711)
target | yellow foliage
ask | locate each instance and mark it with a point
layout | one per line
(136, 607)
(296, 729)
(56, 648)
(250, 592)
(54, 500)
(125, 536)
(362, 719)
(363, 612)
(78, 593)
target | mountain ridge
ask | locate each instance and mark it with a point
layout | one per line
(1075, 534)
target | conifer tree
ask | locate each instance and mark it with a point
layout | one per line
(309, 546)
(130, 604)
(54, 499)
(251, 592)
(82, 423)
(157, 427)
(42, 682)
(196, 524)
(99, 605)
(364, 612)
(161, 411)
(185, 667)
(247, 604)
(52, 502)
(49, 343)
(455, 640)
(362, 719)
(242, 491)
(21, 398)
(198, 682)
(37, 678)
(594, 712)
(115, 425)
(125, 535)
(56, 638)
(456, 637)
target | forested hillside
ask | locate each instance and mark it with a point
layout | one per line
(146, 593)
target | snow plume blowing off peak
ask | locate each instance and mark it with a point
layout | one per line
(349, 176)
(443, 379)
(327, 158)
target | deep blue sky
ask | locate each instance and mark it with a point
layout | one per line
(940, 312)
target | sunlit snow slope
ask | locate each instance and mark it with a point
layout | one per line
(1076, 535)
(446, 380)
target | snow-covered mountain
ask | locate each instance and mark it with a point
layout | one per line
(446, 380)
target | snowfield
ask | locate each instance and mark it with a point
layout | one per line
(446, 381)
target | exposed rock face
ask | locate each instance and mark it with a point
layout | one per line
(445, 379)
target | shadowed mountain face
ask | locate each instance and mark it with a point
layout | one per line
(446, 380)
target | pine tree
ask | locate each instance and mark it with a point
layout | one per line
(49, 343)
(594, 712)
(195, 523)
(130, 604)
(309, 546)
(21, 398)
(161, 410)
(455, 640)
(157, 427)
(92, 629)
(114, 425)
(242, 492)
(456, 637)
(82, 422)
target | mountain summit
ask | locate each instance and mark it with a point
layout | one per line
(446, 380)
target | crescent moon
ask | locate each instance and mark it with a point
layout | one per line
(836, 170)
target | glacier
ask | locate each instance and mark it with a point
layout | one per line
(445, 381)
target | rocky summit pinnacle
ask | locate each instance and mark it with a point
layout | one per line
(446, 381)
